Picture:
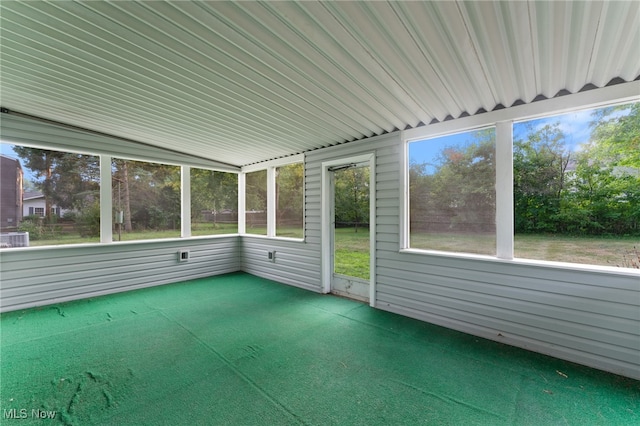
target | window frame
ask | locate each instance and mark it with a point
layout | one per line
(56, 211)
(106, 217)
(106, 200)
(110, 214)
(185, 188)
(503, 120)
(270, 167)
(408, 194)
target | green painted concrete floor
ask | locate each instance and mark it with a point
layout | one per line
(240, 350)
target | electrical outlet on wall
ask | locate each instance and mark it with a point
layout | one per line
(271, 256)
(183, 256)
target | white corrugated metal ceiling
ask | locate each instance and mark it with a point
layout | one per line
(242, 82)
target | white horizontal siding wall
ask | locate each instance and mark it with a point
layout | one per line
(296, 263)
(588, 317)
(36, 133)
(41, 276)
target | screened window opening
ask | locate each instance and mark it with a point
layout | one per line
(452, 193)
(290, 200)
(48, 197)
(256, 203)
(576, 187)
(146, 200)
(214, 202)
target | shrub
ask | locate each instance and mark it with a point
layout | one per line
(70, 216)
(33, 227)
(88, 220)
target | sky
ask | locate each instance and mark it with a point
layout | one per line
(428, 151)
(6, 149)
(575, 127)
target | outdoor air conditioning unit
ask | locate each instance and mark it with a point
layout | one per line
(14, 239)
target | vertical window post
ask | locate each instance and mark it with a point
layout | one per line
(242, 186)
(504, 190)
(271, 201)
(106, 202)
(185, 197)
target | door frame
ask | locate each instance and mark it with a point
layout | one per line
(327, 206)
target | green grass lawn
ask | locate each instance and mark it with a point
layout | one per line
(463, 243)
(352, 248)
(281, 231)
(351, 256)
(621, 251)
(62, 239)
(560, 248)
(197, 229)
(208, 228)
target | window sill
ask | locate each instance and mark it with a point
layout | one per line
(526, 262)
(266, 237)
(118, 243)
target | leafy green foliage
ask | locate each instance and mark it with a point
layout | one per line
(88, 220)
(148, 194)
(256, 201)
(212, 192)
(38, 229)
(453, 194)
(289, 199)
(67, 180)
(352, 196)
(539, 164)
(256, 191)
(594, 191)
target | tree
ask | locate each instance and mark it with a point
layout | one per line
(256, 191)
(539, 165)
(352, 195)
(615, 136)
(122, 196)
(212, 191)
(68, 180)
(595, 190)
(456, 191)
(421, 203)
(148, 193)
(41, 162)
(465, 183)
(289, 193)
(605, 195)
(256, 198)
(75, 181)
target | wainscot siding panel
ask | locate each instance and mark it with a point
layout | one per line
(587, 317)
(40, 276)
(296, 263)
(600, 327)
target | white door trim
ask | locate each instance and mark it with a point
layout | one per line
(327, 205)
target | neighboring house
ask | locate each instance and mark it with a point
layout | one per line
(11, 176)
(33, 203)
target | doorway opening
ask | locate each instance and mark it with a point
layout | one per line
(349, 228)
